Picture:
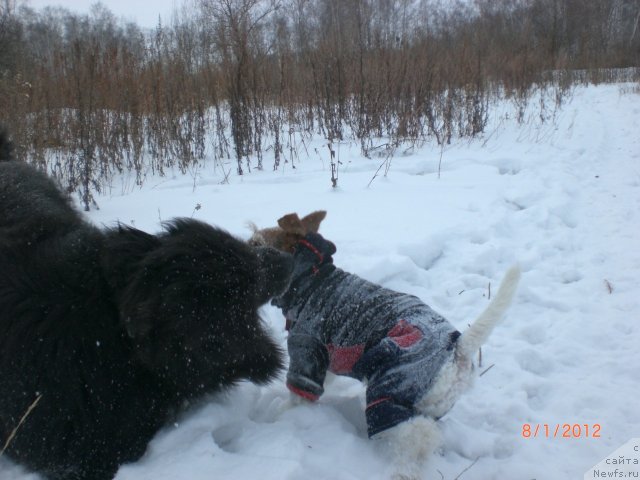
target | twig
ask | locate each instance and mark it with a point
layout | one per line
(463, 471)
(194, 175)
(376, 174)
(225, 180)
(488, 368)
(334, 165)
(195, 209)
(609, 286)
(440, 161)
(489, 294)
(22, 420)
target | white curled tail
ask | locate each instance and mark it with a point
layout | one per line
(476, 335)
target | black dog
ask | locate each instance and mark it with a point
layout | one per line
(104, 334)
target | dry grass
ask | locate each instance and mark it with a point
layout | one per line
(239, 78)
(22, 420)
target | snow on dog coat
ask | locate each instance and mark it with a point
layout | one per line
(340, 322)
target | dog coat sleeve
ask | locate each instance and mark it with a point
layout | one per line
(308, 363)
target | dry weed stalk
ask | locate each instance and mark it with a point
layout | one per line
(92, 102)
(22, 420)
(609, 286)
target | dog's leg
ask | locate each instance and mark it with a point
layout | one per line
(409, 444)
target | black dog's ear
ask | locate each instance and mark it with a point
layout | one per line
(125, 250)
(125, 247)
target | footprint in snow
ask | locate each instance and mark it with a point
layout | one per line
(226, 437)
(531, 361)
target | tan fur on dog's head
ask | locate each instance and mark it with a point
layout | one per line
(289, 231)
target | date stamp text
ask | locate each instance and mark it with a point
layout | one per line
(561, 430)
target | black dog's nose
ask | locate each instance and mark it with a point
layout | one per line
(277, 268)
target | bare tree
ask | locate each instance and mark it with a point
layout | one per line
(237, 24)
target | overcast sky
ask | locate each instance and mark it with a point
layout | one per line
(143, 12)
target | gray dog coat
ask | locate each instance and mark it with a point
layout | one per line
(342, 323)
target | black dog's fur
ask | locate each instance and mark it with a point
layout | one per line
(117, 329)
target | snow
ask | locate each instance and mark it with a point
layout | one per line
(561, 198)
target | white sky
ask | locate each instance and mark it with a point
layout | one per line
(144, 13)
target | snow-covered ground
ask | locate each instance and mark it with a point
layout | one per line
(561, 198)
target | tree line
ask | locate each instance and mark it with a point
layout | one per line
(89, 96)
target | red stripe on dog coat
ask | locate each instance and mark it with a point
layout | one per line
(342, 359)
(404, 334)
(301, 393)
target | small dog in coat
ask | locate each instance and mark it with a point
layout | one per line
(105, 334)
(414, 362)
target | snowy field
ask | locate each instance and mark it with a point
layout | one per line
(561, 198)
